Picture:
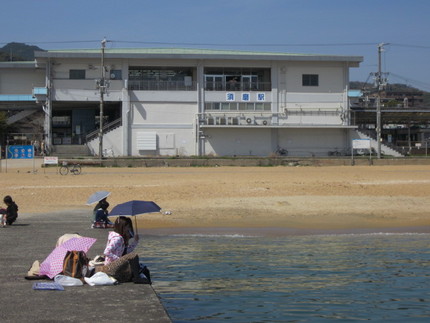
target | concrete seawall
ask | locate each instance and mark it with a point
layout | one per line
(37, 163)
(33, 238)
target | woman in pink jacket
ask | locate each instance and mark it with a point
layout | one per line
(120, 260)
(118, 243)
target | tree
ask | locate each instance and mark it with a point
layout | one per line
(3, 126)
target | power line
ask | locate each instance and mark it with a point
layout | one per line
(411, 46)
(203, 44)
(226, 44)
(248, 44)
(409, 81)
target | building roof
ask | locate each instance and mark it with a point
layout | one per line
(18, 64)
(355, 93)
(192, 54)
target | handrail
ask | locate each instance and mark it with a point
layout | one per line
(372, 135)
(107, 127)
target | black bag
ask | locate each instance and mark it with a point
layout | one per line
(75, 264)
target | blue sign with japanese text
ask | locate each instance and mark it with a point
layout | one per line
(20, 152)
(229, 96)
(246, 96)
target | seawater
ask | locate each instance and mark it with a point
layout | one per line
(308, 278)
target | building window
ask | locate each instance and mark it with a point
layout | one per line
(310, 80)
(77, 74)
(234, 106)
(237, 79)
(153, 78)
(115, 74)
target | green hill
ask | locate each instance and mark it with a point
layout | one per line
(18, 52)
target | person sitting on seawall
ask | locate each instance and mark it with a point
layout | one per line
(9, 215)
(101, 216)
(120, 260)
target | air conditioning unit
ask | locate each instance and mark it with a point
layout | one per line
(232, 121)
(249, 120)
(112, 76)
(221, 120)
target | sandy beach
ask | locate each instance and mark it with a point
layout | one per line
(333, 197)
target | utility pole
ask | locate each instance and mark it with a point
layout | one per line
(380, 83)
(102, 89)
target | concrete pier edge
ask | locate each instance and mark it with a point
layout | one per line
(33, 237)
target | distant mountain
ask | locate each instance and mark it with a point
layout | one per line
(395, 87)
(18, 52)
(355, 85)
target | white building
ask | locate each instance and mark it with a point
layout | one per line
(168, 102)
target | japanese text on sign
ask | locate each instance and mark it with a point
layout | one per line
(230, 96)
(20, 152)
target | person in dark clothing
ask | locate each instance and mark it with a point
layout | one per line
(11, 210)
(101, 216)
(98, 205)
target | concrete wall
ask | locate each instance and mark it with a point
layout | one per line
(327, 101)
(111, 141)
(169, 142)
(237, 142)
(21, 81)
(173, 124)
(313, 141)
(264, 142)
(330, 77)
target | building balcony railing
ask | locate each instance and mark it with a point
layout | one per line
(315, 117)
(238, 86)
(139, 85)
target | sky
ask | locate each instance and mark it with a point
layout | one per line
(338, 27)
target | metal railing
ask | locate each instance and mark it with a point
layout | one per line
(268, 118)
(239, 86)
(139, 85)
(108, 127)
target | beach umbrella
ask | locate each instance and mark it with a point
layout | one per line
(135, 207)
(97, 196)
(53, 264)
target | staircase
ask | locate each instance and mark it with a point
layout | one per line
(106, 128)
(386, 148)
(70, 151)
(20, 115)
(86, 150)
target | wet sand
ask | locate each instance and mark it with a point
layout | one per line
(299, 199)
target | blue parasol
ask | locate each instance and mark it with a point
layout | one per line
(135, 207)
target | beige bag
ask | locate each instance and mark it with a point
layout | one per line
(122, 269)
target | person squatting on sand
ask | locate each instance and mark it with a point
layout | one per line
(120, 260)
(10, 214)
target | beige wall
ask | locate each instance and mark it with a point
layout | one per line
(21, 81)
